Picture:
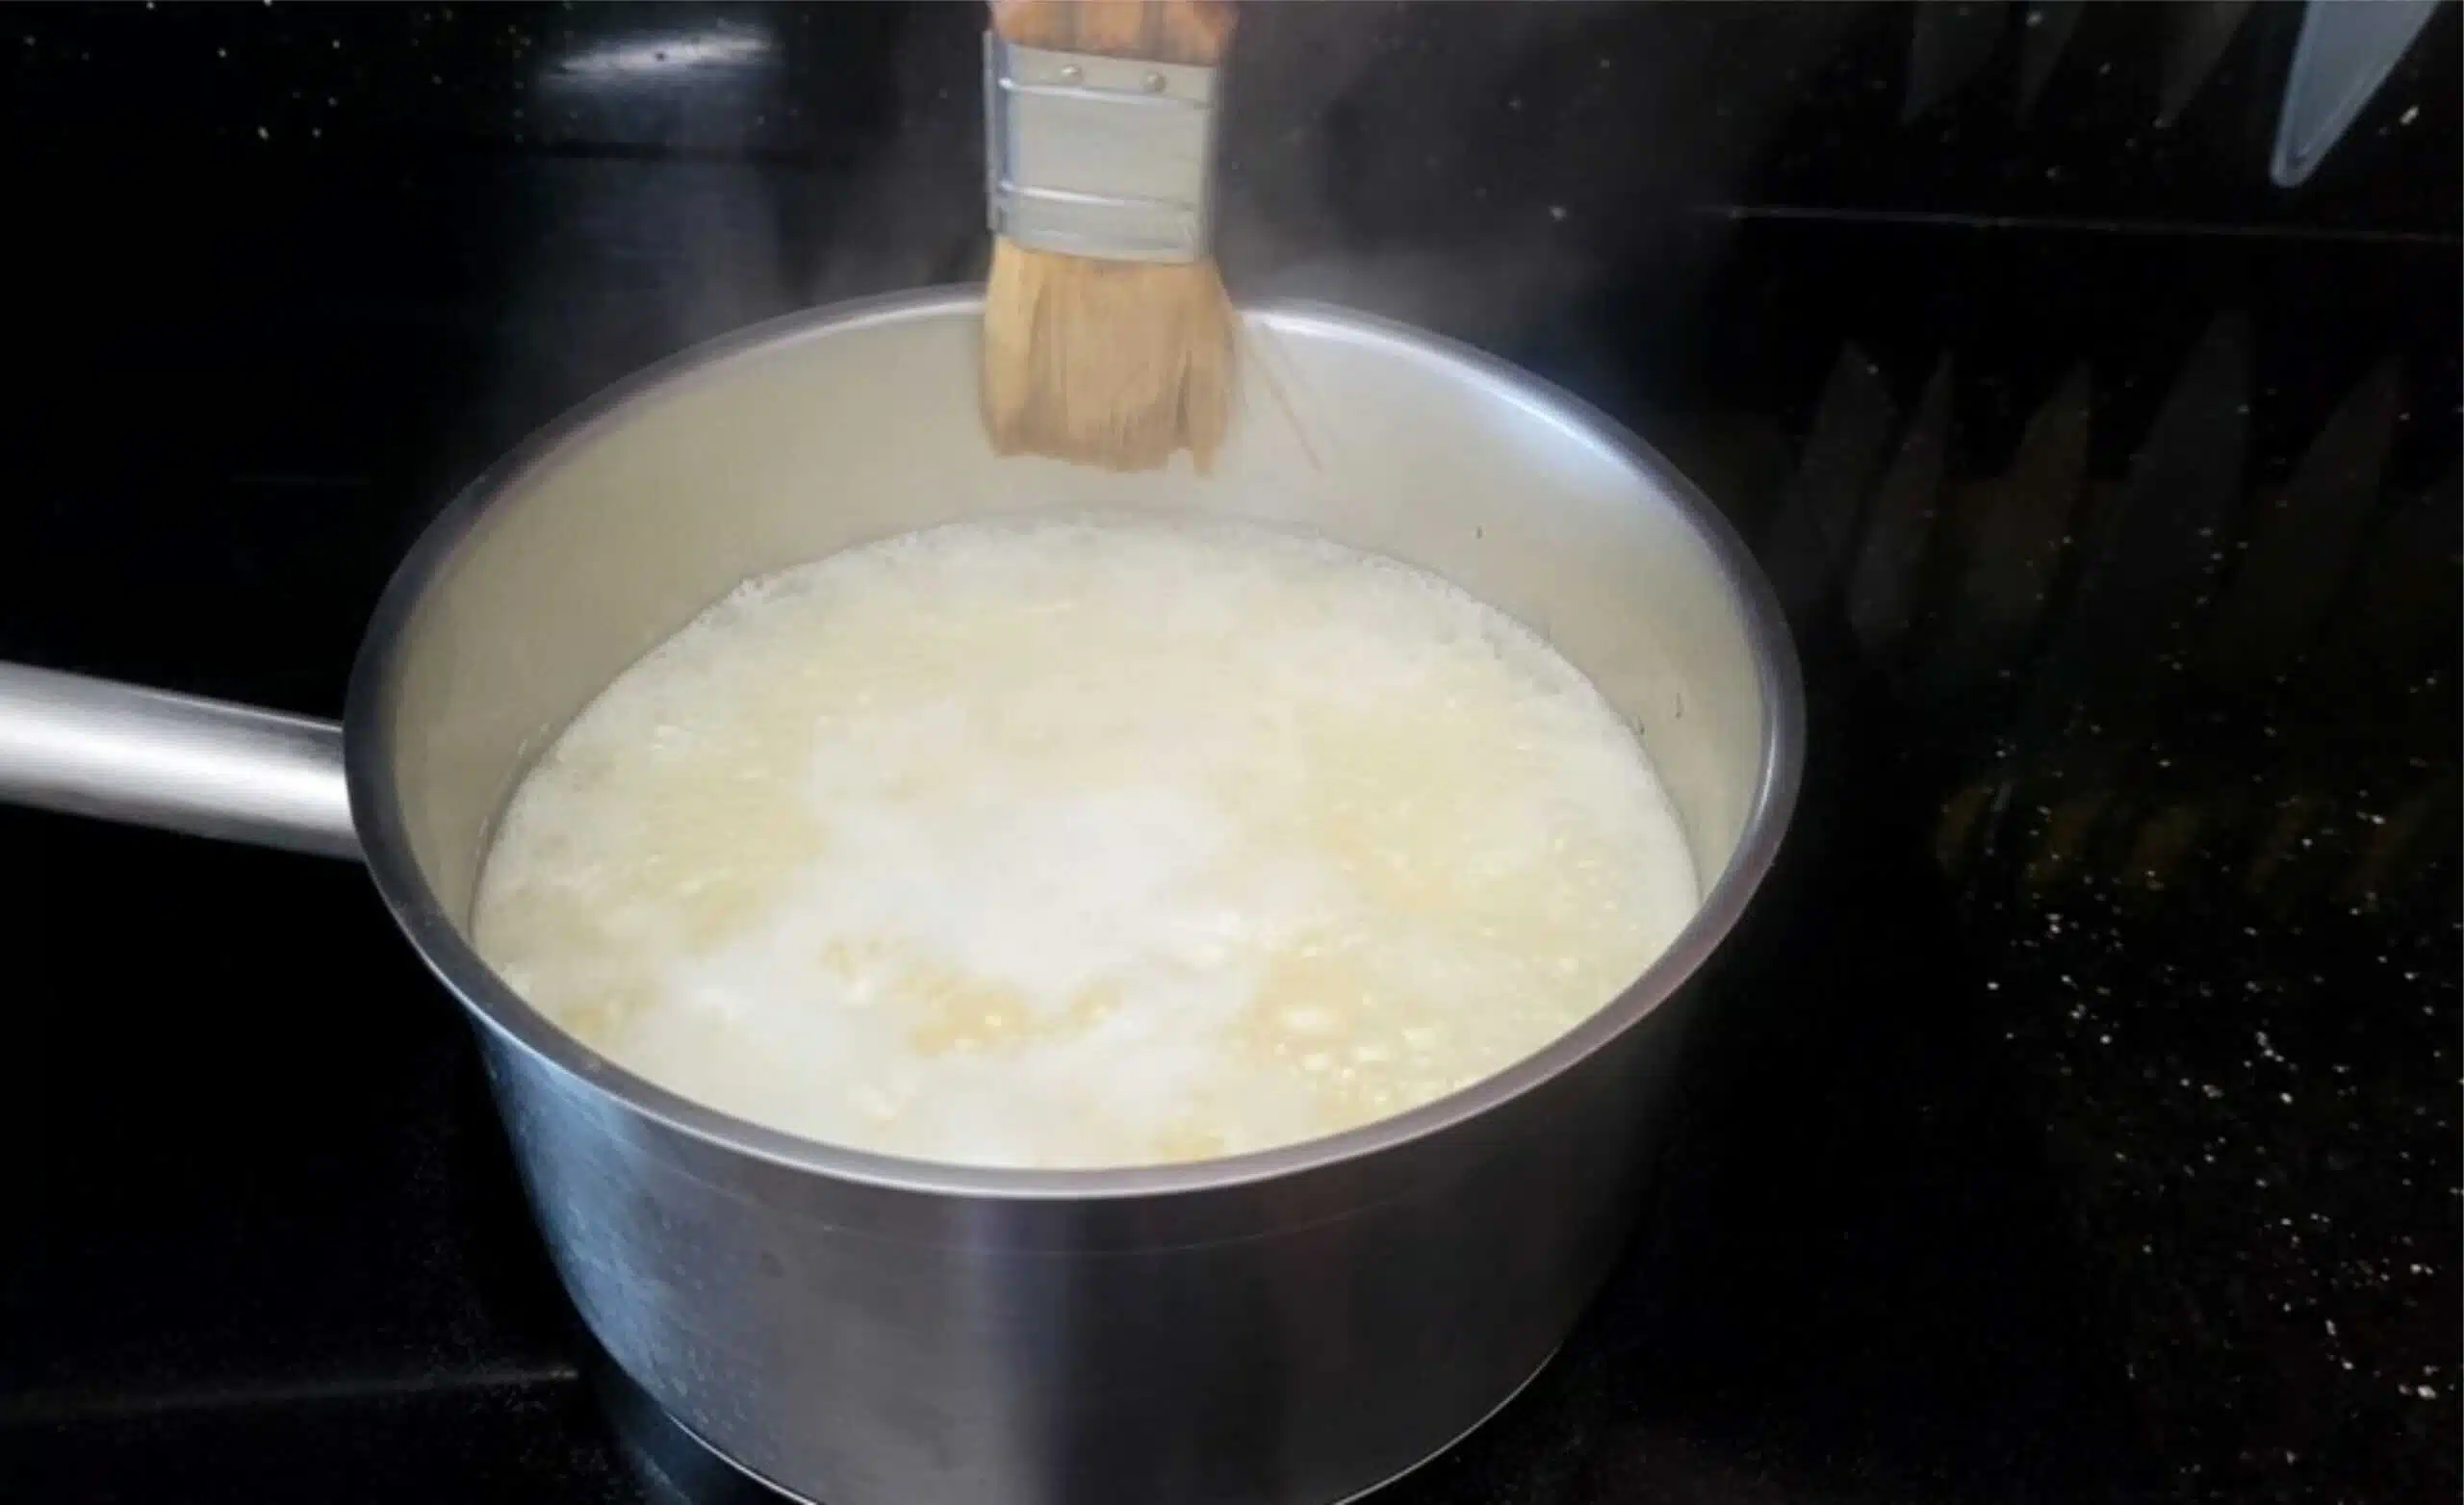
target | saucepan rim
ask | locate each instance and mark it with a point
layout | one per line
(370, 747)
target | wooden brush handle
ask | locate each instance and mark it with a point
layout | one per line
(1194, 32)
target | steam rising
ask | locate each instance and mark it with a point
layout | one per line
(1476, 169)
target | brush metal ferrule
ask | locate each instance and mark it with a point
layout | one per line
(1110, 158)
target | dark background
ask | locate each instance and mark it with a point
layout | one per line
(2078, 1120)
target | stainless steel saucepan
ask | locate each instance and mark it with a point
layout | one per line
(1296, 1325)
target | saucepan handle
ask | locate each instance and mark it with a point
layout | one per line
(90, 747)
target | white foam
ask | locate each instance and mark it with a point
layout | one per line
(1079, 844)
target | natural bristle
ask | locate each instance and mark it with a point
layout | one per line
(1116, 364)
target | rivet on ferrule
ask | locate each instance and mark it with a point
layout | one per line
(1110, 158)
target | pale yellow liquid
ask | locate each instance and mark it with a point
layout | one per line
(1084, 844)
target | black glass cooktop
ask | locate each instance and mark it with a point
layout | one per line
(2077, 1119)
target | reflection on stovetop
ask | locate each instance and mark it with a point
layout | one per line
(670, 1465)
(2077, 1119)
